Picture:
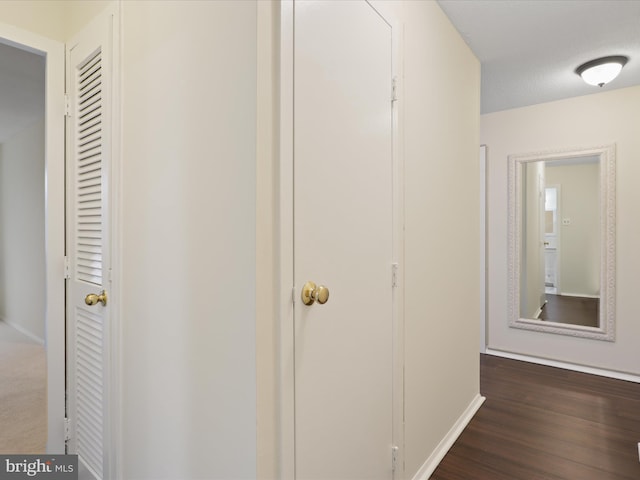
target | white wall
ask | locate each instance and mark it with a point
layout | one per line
(189, 248)
(22, 261)
(55, 19)
(78, 14)
(440, 112)
(44, 17)
(580, 240)
(598, 119)
(267, 275)
(441, 121)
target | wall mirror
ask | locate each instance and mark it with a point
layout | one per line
(562, 242)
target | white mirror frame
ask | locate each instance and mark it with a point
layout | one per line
(606, 328)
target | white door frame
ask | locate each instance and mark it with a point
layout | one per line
(483, 248)
(54, 224)
(286, 247)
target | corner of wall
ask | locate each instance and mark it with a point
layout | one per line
(78, 14)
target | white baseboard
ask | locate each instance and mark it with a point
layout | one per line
(629, 377)
(23, 331)
(578, 295)
(429, 466)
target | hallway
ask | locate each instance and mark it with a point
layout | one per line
(547, 423)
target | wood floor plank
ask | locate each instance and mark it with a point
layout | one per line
(547, 423)
(572, 310)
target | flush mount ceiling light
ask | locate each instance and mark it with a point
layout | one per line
(601, 70)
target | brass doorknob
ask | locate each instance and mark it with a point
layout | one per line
(313, 293)
(92, 298)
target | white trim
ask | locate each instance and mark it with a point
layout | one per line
(398, 433)
(578, 295)
(285, 222)
(602, 372)
(483, 247)
(429, 466)
(115, 402)
(607, 158)
(54, 223)
(23, 331)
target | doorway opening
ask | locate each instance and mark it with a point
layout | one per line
(23, 388)
(551, 238)
(32, 283)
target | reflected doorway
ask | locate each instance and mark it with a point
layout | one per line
(551, 244)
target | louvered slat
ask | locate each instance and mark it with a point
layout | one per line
(88, 156)
(89, 391)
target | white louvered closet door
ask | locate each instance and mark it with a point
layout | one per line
(88, 160)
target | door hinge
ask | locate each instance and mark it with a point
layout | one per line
(67, 429)
(394, 89)
(67, 268)
(67, 108)
(394, 275)
(394, 457)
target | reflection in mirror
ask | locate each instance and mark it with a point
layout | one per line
(562, 245)
(571, 252)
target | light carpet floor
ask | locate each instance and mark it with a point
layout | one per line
(23, 394)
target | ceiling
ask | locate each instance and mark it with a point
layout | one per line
(529, 49)
(22, 87)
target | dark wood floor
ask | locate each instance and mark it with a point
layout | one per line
(547, 423)
(573, 310)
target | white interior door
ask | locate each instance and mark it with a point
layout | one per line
(343, 240)
(88, 161)
(532, 275)
(541, 236)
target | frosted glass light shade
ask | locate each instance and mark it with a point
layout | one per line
(602, 70)
(601, 74)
